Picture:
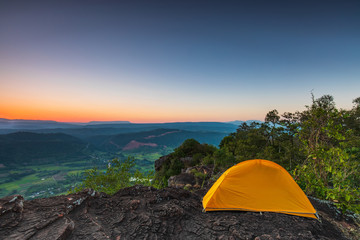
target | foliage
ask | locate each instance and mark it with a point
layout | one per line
(353, 120)
(74, 177)
(199, 176)
(143, 178)
(330, 170)
(116, 176)
(220, 160)
(273, 140)
(190, 147)
(173, 164)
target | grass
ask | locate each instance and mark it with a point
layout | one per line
(44, 172)
(150, 156)
(75, 172)
(51, 167)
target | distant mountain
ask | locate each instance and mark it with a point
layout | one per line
(157, 138)
(23, 148)
(107, 122)
(36, 142)
(84, 131)
(21, 124)
(32, 124)
(50, 145)
(190, 126)
(237, 122)
(80, 132)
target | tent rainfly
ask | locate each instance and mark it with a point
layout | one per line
(259, 186)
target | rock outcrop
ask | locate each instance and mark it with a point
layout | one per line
(181, 180)
(140, 212)
(187, 161)
(158, 163)
(192, 177)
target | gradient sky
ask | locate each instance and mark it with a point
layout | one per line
(166, 61)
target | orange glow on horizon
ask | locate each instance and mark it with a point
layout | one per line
(80, 117)
(136, 113)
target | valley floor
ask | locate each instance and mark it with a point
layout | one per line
(47, 180)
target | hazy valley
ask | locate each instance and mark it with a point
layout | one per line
(46, 158)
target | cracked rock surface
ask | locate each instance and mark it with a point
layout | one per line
(140, 212)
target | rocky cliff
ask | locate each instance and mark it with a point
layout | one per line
(142, 212)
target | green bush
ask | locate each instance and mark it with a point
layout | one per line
(173, 165)
(116, 176)
(332, 167)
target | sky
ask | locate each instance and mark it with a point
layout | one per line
(175, 61)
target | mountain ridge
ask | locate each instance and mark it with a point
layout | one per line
(45, 124)
(24, 148)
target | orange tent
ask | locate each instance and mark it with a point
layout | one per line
(260, 186)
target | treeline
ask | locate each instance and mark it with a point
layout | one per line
(319, 146)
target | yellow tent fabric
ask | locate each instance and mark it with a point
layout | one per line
(261, 186)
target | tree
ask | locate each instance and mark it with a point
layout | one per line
(329, 169)
(288, 138)
(353, 121)
(116, 176)
(272, 117)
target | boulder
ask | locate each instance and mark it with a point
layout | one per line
(187, 161)
(161, 161)
(181, 180)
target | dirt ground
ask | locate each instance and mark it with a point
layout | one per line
(146, 213)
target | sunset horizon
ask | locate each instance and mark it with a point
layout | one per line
(156, 61)
(123, 120)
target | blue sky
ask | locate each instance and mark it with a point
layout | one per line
(161, 61)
